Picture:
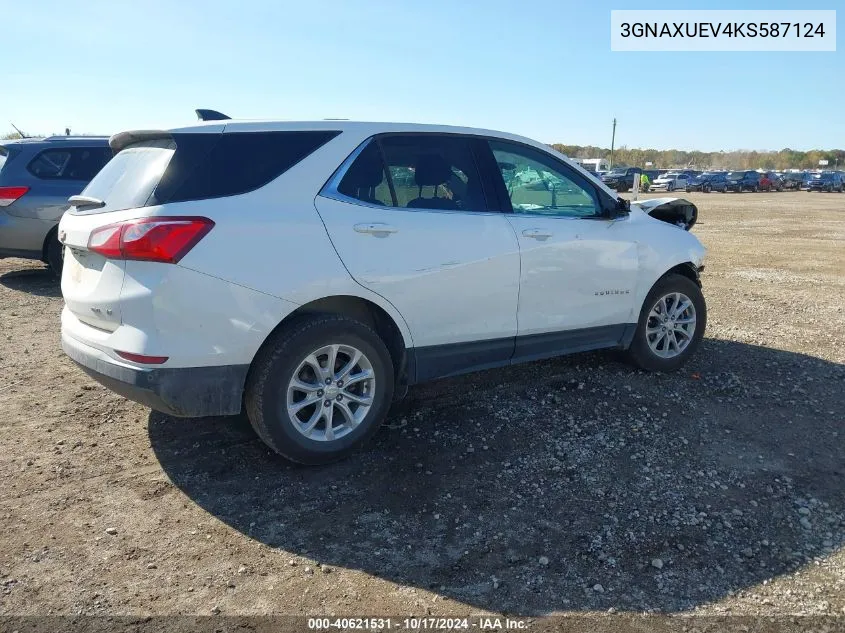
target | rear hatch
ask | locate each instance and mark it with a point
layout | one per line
(91, 283)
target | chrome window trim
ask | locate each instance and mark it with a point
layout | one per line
(329, 190)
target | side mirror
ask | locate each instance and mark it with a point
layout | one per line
(621, 208)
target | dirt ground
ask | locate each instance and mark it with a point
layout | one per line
(566, 486)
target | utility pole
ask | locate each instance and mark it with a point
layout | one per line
(612, 142)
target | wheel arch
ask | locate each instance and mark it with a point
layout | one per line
(366, 311)
(686, 269)
(45, 245)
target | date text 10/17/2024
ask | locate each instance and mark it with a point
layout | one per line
(417, 624)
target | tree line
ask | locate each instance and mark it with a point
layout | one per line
(737, 159)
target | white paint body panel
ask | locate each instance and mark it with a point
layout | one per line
(453, 275)
(444, 277)
(562, 274)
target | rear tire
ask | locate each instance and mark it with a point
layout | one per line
(55, 254)
(645, 351)
(285, 364)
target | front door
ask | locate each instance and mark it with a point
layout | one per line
(579, 270)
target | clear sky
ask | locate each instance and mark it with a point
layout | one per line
(542, 68)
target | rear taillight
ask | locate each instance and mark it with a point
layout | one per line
(9, 194)
(165, 239)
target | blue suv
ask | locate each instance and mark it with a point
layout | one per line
(37, 176)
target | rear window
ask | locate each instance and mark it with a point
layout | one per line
(128, 180)
(69, 163)
(199, 166)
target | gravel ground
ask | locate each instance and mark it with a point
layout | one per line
(566, 486)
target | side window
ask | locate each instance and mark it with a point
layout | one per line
(85, 162)
(430, 171)
(50, 163)
(76, 163)
(419, 171)
(537, 184)
(365, 180)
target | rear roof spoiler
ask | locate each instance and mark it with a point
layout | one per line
(119, 141)
(210, 115)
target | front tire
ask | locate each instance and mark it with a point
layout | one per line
(671, 325)
(320, 389)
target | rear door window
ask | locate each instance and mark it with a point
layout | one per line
(417, 171)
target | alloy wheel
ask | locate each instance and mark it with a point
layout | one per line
(671, 325)
(331, 392)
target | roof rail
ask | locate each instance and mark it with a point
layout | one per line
(210, 115)
(62, 137)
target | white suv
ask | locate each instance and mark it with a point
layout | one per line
(307, 273)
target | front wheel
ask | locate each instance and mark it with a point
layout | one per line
(320, 389)
(670, 187)
(705, 188)
(671, 325)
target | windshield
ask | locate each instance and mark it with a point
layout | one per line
(616, 172)
(736, 175)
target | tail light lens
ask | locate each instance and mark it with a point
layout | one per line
(165, 239)
(9, 194)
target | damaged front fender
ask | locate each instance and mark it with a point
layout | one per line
(677, 211)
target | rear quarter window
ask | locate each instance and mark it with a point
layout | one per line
(4, 153)
(217, 165)
(69, 163)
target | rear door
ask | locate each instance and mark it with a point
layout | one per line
(411, 220)
(578, 270)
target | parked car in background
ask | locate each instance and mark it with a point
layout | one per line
(175, 232)
(793, 180)
(770, 181)
(670, 182)
(707, 182)
(37, 176)
(622, 178)
(829, 181)
(740, 181)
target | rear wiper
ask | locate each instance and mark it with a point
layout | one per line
(86, 202)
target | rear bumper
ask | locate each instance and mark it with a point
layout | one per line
(186, 392)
